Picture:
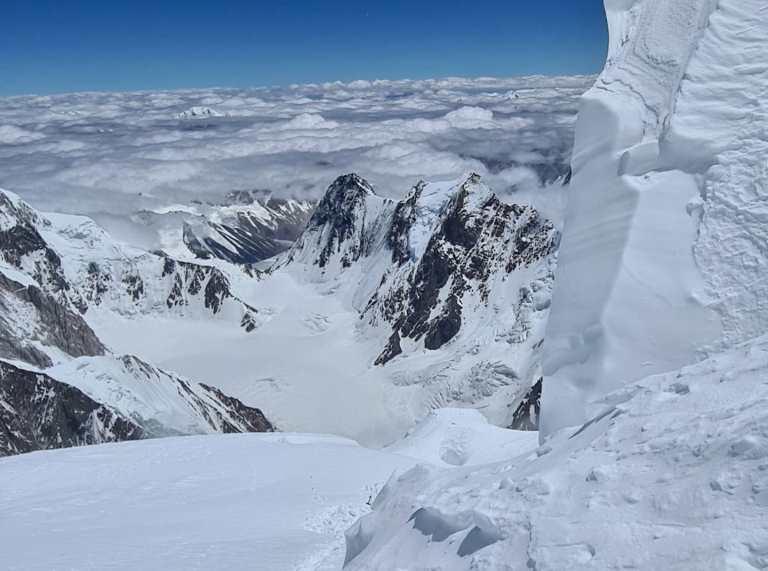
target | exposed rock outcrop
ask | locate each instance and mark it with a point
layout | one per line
(39, 413)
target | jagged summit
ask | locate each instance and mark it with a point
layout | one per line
(339, 231)
(449, 266)
(347, 184)
(452, 242)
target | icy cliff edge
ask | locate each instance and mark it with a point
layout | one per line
(661, 248)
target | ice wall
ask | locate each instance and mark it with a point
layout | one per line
(665, 247)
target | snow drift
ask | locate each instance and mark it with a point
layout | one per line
(663, 253)
(670, 473)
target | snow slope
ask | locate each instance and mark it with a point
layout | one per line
(266, 502)
(162, 403)
(462, 437)
(671, 473)
(663, 256)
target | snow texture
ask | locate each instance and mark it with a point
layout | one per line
(663, 254)
(670, 473)
(277, 502)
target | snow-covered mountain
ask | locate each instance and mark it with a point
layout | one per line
(38, 412)
(437, 299)
(445, 255)
(653, 401)
(60, 275)
(161, 403)
(245, 227)
(199, 112)
(76, 262)
(449, 276)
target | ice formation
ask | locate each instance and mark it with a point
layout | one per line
(663, 253)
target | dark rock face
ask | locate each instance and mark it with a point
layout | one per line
(471, 244)
(241, 418)
(339, 221)
(526, 416)
(190, 279)
(402, 220)
(20, 239)
(391, 350)
(39, 413)
(46, 319)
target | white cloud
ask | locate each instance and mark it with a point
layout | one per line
(471, 118)
(308, 121)
(117, 152)
(11, 135)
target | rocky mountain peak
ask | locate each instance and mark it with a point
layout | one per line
(454, 244)
(340, 225)
(341, 202)
(23, 247)
(14, 211)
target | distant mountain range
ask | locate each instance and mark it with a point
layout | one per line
(446, 292)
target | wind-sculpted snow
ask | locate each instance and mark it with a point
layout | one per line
(663, 255)
(111, 155)
(264, 502)
(670, 473)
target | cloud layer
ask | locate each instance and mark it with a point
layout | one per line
(118, 152)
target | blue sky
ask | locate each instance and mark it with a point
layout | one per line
(115, 45)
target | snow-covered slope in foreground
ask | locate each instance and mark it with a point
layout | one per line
(663, 255)
(266, 502)
(671, 473)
